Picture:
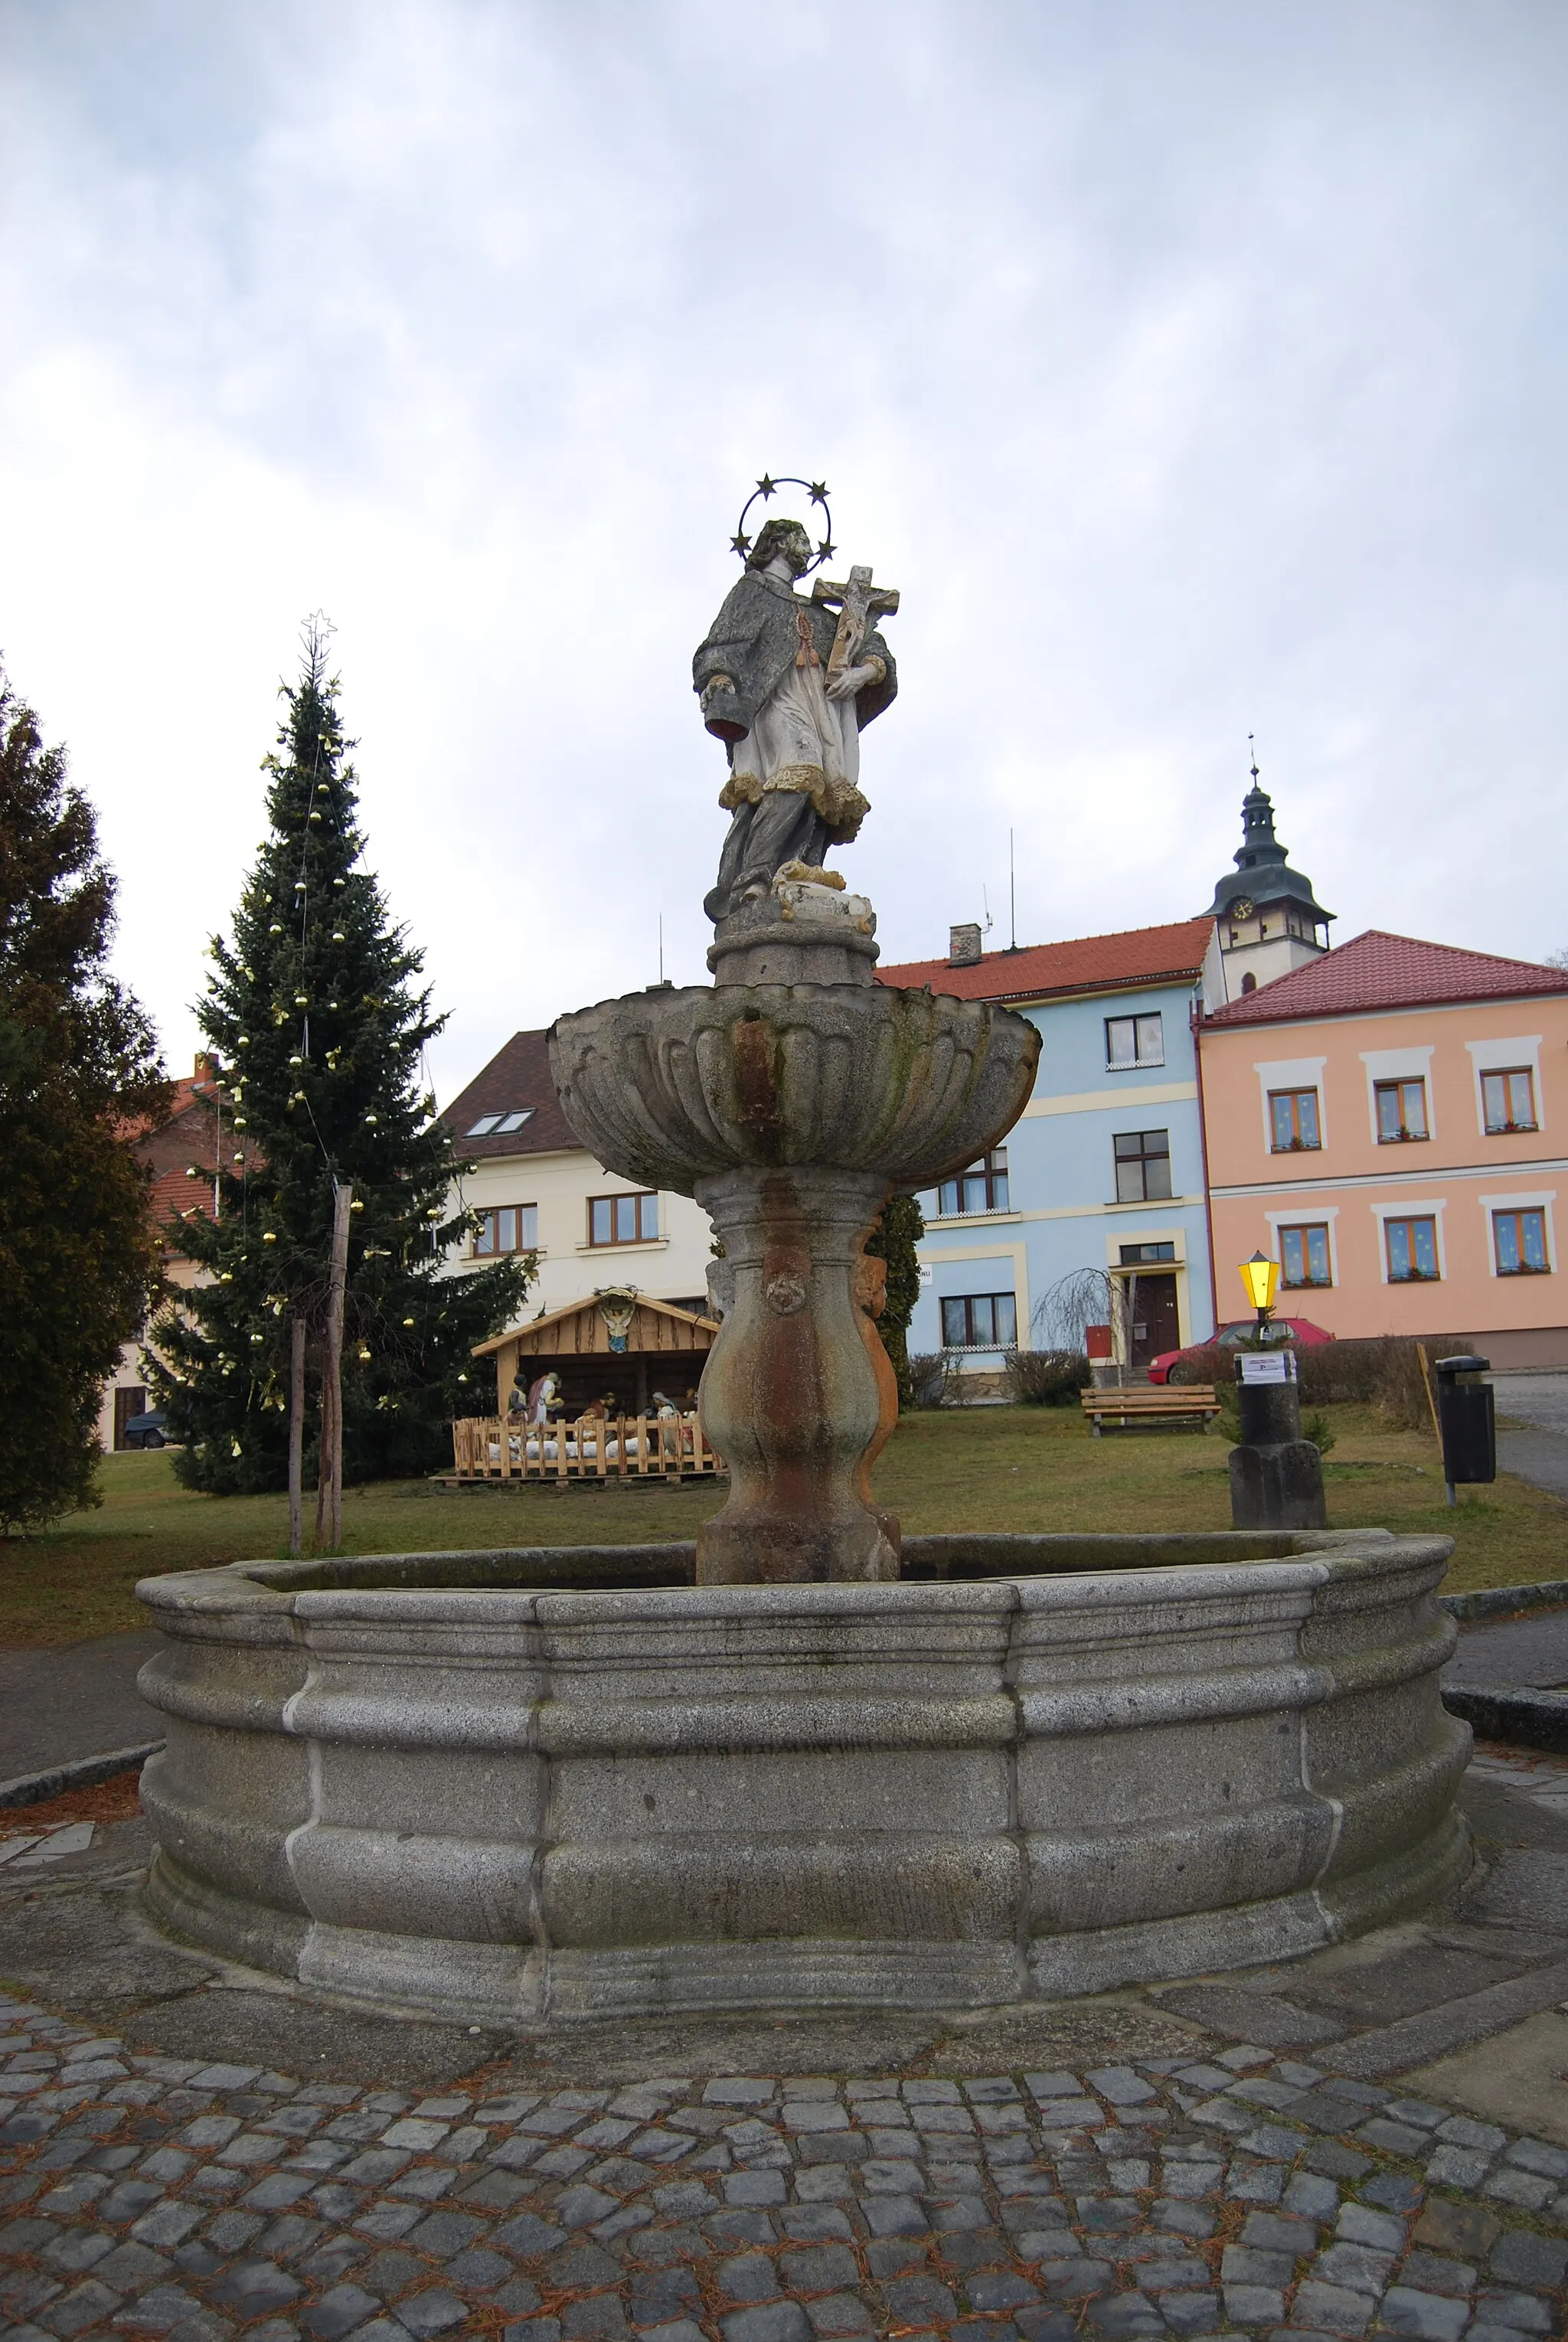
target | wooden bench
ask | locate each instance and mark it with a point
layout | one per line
(1164, 1405)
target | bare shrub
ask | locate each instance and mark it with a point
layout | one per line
(1048, 1378)
(931, 1376)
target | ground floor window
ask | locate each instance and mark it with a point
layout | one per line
(1412, 1250)
(979, 1321)
(506, 1227)
(1520, 1238)
(1303, 1253)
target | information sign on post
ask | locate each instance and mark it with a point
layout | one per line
(1267, 1366)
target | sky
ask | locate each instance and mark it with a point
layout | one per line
(1194, 373)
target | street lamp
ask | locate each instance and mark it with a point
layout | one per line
(1260, 1277)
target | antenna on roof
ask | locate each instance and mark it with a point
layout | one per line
(985, 905)
(1012, 896)
(661, 947)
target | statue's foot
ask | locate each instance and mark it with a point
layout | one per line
(804, 873)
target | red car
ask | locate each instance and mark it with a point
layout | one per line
(1168, 1366)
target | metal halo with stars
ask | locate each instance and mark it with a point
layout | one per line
(741, 544)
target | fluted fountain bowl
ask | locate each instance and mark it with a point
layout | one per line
(668, 1087)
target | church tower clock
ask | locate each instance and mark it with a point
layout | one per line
(1266, 918)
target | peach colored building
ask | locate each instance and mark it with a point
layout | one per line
(1390, 1122)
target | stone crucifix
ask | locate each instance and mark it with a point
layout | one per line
(859, 604)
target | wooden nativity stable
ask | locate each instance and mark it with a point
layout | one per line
(614, 1349)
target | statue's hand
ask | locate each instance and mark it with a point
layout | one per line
(714, 683)
(855, 679)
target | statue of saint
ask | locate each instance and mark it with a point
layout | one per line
(792, 730)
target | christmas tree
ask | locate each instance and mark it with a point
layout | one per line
(319, 1031)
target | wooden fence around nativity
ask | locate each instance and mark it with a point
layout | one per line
(595, 1447)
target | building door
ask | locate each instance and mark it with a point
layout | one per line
(127, 1403)
(1153, 1325)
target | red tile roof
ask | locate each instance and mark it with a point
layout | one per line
(517, 1076)
(1382, 971)
(1169, 954)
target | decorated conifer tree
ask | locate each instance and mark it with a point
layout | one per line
(319, 1030)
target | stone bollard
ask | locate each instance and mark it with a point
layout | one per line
(1277, 1476)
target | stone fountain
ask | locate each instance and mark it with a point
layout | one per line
(807, 1759)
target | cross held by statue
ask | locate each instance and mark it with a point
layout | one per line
(859, 604)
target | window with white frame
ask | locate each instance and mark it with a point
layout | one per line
(1519, 1242)
(1411, 1249)
(1305, 1254)
(1508, 1100)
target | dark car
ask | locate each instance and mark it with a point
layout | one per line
(146, 1430)
(1175, 1366)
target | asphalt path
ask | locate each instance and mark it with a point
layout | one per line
(79, 1700)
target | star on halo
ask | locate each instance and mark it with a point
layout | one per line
(766, 485)
(819, 491)
(826, 549)
(740, 543)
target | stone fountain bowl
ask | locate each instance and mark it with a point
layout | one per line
(670, 1088)
(529, 1786)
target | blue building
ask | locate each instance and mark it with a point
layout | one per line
(1102, 1173)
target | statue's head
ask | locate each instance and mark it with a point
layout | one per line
(786, 536)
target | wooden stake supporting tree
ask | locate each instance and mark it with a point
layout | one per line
(329, 1485)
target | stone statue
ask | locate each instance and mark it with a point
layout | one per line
(788, 687)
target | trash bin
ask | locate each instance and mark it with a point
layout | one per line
(1467, 1422)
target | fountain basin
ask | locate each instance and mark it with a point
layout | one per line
(525, 1785)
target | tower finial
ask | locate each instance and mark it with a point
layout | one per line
(1254, 758)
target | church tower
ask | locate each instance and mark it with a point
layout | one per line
(1266, 918)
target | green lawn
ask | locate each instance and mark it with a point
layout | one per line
(981, 1468)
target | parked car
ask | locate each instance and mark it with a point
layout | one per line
(146, 1430)
(1174, 1365)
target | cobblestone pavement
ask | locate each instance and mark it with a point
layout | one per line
(1245, 2193)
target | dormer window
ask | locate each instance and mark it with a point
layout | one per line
(500, 1126)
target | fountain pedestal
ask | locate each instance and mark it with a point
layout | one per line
(797, 1383)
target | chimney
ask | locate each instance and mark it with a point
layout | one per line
(207, 1067)
(963, 945)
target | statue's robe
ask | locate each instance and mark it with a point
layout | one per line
(794, 752)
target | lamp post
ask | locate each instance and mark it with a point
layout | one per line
(1277, 1476)
(1260, 1277)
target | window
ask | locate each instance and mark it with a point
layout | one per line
(1142, 1165)
(506, 1227)
(1145, 1255)
(1293, 1121)
(1508, 1099)
(622, 1219)
(1412, 1250)
(494, 1125)
(981, 1188)
(1401, 1112)
(1135, 1041)
(1520, 1238)
(979, 1321)
(1303, 1253)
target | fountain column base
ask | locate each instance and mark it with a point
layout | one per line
(797, 1386)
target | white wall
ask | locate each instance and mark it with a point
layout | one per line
(673, 1268)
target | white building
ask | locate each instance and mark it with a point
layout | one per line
(536, 1188)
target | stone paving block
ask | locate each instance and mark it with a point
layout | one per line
(1457, 2167)
(1358, 2225)
(1428, 2316)
(131, 2267)
(1240, 2266)
(1429, 2273)
(252, 2286)
(1534, 2154)
(433, 2312)
(85, 2306)
(1522, 2258)
(339, 2312)
(1521, 2313)
(1394, 2138)
(779, 2321)
(1330, 2309)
